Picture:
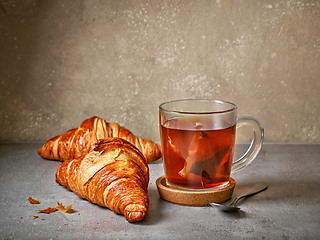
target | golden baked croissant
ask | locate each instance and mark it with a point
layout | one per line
(114, 174)
(79, 141)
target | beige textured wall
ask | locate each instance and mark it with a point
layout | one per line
(65, 61)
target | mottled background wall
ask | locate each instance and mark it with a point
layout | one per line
(65, 61)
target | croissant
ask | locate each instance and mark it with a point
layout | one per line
(79, 141)
(114, 174)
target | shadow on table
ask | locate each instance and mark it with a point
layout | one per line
(234, 215)
(154, 214)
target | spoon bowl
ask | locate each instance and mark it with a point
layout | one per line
(259, 187)
(224, 208)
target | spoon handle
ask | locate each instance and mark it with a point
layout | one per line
(259, 187)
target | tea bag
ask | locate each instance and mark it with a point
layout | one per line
(173, 148)
(202, 161)
(208, 166)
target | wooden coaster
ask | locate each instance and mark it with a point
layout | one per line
(194, 198)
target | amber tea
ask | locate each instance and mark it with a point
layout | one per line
(195, 155)
(198, 139)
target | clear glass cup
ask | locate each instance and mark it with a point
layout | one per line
(198, 140)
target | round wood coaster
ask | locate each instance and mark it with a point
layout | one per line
(194, 198)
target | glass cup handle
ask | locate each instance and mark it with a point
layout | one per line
(255, 146)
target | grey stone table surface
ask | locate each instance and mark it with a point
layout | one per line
(288, 209)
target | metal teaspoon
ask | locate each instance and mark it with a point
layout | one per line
(259, 187)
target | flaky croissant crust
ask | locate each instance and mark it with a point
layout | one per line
(79, 141)
(114, 175)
